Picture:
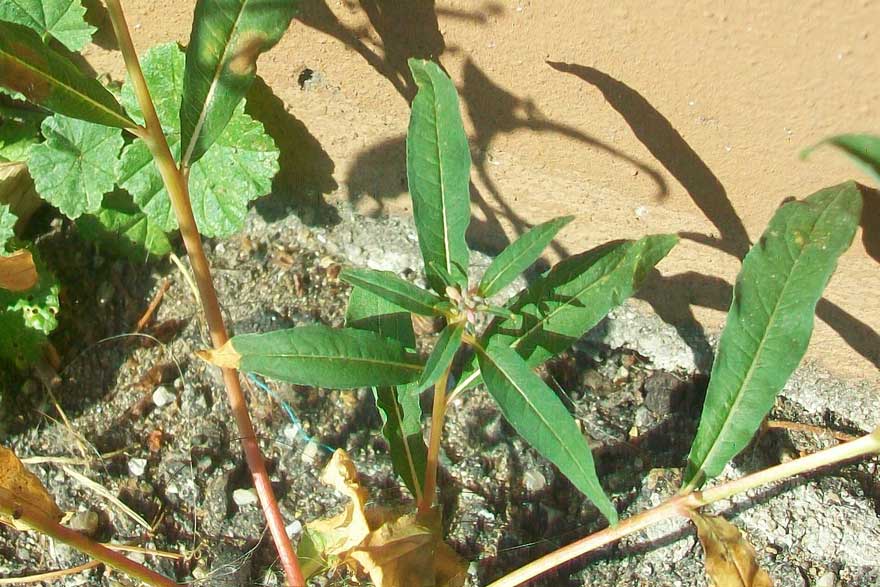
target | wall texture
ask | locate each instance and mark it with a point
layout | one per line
(636, 117)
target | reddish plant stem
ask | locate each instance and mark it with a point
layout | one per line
(438, 415)
(12, 506)
(175, 183)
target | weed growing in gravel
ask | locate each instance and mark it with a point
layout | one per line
(767, 332)
(172, 149)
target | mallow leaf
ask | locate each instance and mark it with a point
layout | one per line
(519, 256)
(38, 306)
(864, 149)
(7, 226)
(19, 345)
(539, 416)
(221, 62)
(398, 406)
(18, 134)
(76, 164)
(49, 79)
(438, 163)
(320, 356)
(770, 321)
(238, 168)
(124, 229)
(396, 290)
(62, 20)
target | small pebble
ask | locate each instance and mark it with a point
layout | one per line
(534, 480)
(829, 579)
(244, 497)
(293, 529)
(310, 453)
(137, 466)
(85, 522)
(162, 396)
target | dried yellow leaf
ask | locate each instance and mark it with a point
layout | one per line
(393, 549)
(20, 488)
(17, 271)
(729, 558)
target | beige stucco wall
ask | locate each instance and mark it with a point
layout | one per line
(656, 116)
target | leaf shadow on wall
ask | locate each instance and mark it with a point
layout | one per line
(673, 297)
(406, 29)
(306, 172)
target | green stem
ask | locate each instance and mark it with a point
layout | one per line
(12, 506)
(178, 191)
(433, 461)
(682, 503)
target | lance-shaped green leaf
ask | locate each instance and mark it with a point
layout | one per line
(124, 229)
(320, 356)
(389, 286)
(438, 163)
(61, 19)
(221, 62)
(441, 357)
(864, 149)
(570, 299)
(519, 256)
(770, 321)
(539, 416)
(239, 168)
(51, 80)
(398, 406)
(76, 164)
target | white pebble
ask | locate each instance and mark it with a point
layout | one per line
(534, 481)
(293, 529)
(244, 497)
(162, 396)
(829, 579)
(137, 466)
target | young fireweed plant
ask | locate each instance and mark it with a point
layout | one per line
(377, 348)
(173, 149)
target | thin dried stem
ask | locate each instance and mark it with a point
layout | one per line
(175, 183)
(682, 503)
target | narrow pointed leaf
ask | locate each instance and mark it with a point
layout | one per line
(320, 356)
(51, 80)
(539, 416)
(441, 357)
(389, 286)
(438, 163)
(61, 19)
(571, 298)
(76, 164)
(770, 321)
(520, 255)
(398, 406)
(367, 311)
(221, 62)
(864, 149)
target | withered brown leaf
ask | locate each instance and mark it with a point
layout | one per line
(729, 557)
(21, 487)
